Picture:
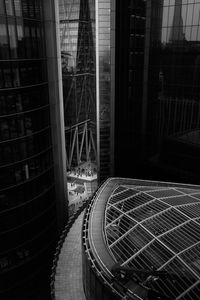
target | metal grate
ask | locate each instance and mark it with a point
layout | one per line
(122, 195)
(192, 211)
(165, 221)
(119, 189)
(180, 200)
(192, 257)
(154, 255)
(180, 279)
(164, 193)
(182, 237)
(147, 210)
(193, 293)
(157, 228)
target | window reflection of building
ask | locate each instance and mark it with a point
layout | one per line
(130, 46)
(174, 90)
(157, 111)
(176, 33)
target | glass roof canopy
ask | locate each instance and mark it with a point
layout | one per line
(157, 228)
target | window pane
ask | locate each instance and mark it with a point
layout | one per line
(9, 7)
(3, 42)
(2, 8)
(13, 41)
(18, 11)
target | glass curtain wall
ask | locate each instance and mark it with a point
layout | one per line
(173, 122)
(129, 89)
(27, 197)
(105, 97)
(157, 110)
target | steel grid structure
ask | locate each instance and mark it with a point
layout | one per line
(152, 231)
(157, 228)
(78, 68)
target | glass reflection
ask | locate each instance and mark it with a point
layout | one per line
(9, 7)
(12, 39)
(181, 20)
(3, 42)
(18, 11)
(1, 7)
(174, 88)
(104, 87)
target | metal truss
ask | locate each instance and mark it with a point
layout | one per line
(78, 68)
(81, 143)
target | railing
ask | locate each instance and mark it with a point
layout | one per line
(94, 263)
(62, 238)
(91, 261)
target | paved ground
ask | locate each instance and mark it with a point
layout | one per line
(82, 176)
(68, 279)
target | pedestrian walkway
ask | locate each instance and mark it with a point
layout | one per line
(68, 279)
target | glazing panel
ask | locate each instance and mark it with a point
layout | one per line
(4, 46)
(9, 7)
(2, 9)
(18, 9)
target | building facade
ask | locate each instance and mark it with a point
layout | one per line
(130, 41)
(78, 70)
(158, 67)
(32, 182)
(105, 83)
(88, 86)
(144, 56)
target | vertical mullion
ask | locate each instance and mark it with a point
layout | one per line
(8, 37)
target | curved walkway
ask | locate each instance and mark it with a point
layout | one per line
(68, 279)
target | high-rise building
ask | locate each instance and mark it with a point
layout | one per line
(105, 85)
(130, 59)
(88, 82)
(78, 70)
(32, 157)
(147, 97)
(145, 58)
(157, 90)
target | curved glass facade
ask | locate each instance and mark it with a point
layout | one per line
(27, 196)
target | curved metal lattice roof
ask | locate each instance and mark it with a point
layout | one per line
(157, 228)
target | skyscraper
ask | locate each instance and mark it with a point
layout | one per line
(32, 170)
(157, 76)
(105, 84)
(88, 82)
(130, 71)
(155, 119)
(78, 70)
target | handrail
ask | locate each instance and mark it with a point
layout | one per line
(60, 243)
